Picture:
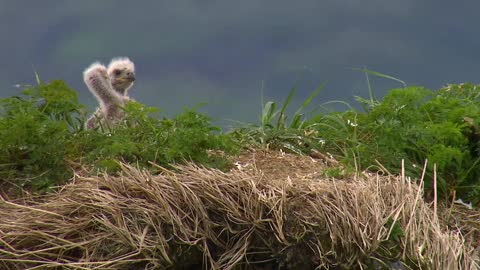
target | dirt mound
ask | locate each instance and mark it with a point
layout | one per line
(273, 211)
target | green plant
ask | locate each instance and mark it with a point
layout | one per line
(416, 124)
(43, 136)
(35, 128)
(144, 139)
(413, 124)
(277, 131)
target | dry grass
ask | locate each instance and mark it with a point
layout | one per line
(274, 211)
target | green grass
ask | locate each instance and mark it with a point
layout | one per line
(44, 139)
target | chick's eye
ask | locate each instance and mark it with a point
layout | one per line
(117, 72)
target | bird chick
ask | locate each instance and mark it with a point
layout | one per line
(121, 71)
(98, 82)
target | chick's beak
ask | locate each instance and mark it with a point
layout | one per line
(130, 77)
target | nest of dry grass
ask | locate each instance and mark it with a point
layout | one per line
(248, 218)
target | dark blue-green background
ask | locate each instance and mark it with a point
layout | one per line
(219, 52)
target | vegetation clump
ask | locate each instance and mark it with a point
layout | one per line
(416, 124)
(44, 138)
(413, 124)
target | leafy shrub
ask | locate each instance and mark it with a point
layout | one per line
(43, 136)
(35, 129)
(143, 138)
(431, 125)
(413, 124)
